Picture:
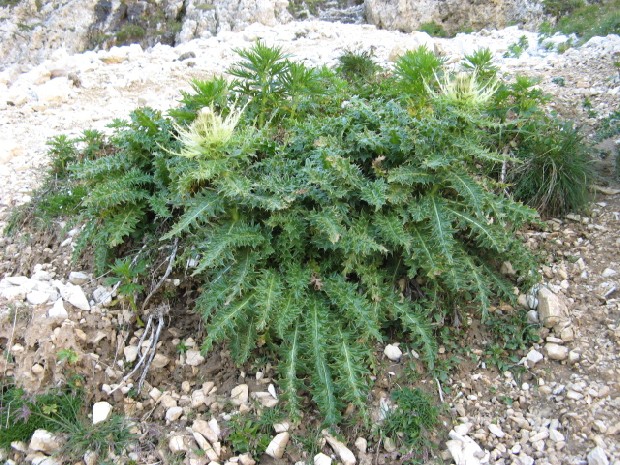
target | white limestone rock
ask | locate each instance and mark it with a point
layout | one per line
(78, 277)
(173, 414)
(465, 451)
(342, 451)
(551, 308)
(131, 354)
(177, 444)
(533, 357)
(193, 358)
(101, 412)
(361, 444)
(277, 445)
(44, 441)
(203, 427)
(74, 295)
(239, 394)
(37, 297)
(322, 459)
(58, 310)
(393, 352)
(597, 456)
(556, 351)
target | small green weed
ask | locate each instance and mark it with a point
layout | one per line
(59, 411)
(127, 275)
(559, 81)
(68, 355)
(561, 8)
(22, 414)
(112, 435)
(511, 334)
(433, 29)
(516, 50)
(409, 424)
(481, 63)
(182, 347)
(609, 126)
(358, 66)
(130, 33)
(250, 432)
(555, 169)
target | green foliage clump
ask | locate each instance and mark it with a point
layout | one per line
(609, 126)
(21, 415)
(416, 71)
(59, 411)
(592, 20)
(481, 64)
(130, 33)
(356, 66)
(8, 3)
(511, 334)
(556, 168)
(126, 181)
(317, 213)
(433, 29)
(516, 50)
(411, 422)
(585, 20)
(561, 8)
(251, 433)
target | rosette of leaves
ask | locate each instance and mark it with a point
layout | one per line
(316, 233)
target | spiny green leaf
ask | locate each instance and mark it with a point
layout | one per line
(122, 224)
(468, 189)
(392, 231)
(486, 233)
(200, 209)
(349, 364)
(318, 338)
(244, 340)
(289, 368)
(355, 307)
(418, 325)
(225, 321)
(267, 292)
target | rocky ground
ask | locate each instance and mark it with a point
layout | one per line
(564, 408)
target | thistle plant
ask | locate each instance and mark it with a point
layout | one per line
(318, 218)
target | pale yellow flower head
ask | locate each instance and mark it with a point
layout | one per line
(463, 89)
(208, 131)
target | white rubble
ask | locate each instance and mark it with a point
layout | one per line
(465, 451)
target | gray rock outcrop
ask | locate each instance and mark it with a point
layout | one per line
(453, 15)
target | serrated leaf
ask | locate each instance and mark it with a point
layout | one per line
(201, 209)
(267, 293)
(224, 321)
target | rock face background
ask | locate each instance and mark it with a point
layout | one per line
(453, 15)
(31, 29)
